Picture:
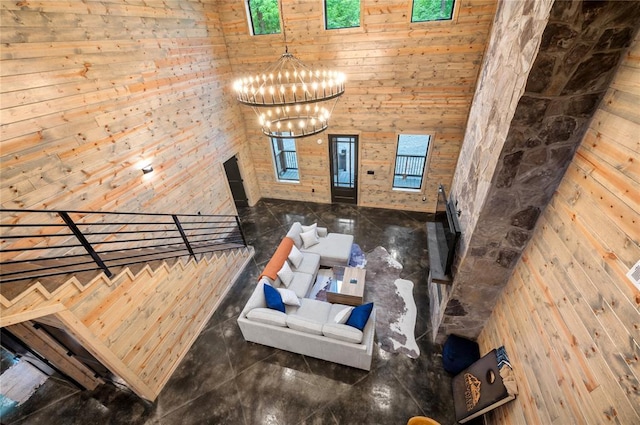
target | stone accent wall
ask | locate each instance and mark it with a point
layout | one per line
(515, 38)
(569, 318)
(516, 34)
(517, 148)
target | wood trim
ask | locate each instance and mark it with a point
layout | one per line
(48, 348)
(101, 352)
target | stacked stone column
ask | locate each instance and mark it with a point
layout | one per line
(547, 67)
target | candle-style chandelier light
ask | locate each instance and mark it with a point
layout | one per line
(291, 98)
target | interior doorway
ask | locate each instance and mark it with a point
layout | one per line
(235, 182)
(343, 154)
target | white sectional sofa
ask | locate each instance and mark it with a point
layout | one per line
(309, 328)
(334, 249)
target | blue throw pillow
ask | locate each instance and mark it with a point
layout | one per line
(273, 298)
(360, 315)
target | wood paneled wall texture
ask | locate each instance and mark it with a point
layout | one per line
(92, 90)
(402, 77)
(138, 324)
(569, 317)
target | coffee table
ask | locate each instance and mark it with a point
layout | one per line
(342, 290)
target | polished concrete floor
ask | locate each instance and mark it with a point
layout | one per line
(225, 380)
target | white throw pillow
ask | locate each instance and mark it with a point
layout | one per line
(285, 274)
(314, 227)
(295, 256)
(289, 297)
(309, 238)
(343, 315)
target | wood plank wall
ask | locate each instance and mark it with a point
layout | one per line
(569, 318)
(402, 77)
(139, 325)
(92, 90)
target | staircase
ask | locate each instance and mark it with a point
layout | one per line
(140, 306)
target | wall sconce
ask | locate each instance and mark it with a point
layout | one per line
(147, 169)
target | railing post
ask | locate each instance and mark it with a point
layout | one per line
(85, 243)
(184, 236)
(244, 241)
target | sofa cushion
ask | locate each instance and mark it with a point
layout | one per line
(256, 300)
(294, 234)
(285, 274)
(335, 309)
(342, 332)
(301, 284)
(289, 297)
(295, 257)
(315, 309)
(303, 324)
(268, 316)
(309, 238)
(273, 298)
(342, 316)
(310, 316)
(360, 315)
(310, 264)
(335, 249)
(278, 258)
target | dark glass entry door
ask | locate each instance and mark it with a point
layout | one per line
(343, 152)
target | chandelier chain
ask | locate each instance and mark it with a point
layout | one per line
(284, 29)
(289, 98)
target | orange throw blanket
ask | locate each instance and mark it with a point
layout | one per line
(277, 260)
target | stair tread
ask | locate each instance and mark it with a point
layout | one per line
(116, 261)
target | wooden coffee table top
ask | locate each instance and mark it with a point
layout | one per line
(342, 291)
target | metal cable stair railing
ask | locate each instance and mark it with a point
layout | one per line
(41, 244)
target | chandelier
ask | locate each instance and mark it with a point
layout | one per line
(290, 98)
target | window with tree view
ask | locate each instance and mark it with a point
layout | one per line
(264, 16)
(285, 158)
(432, 10)
(341, 14)
(411, 157)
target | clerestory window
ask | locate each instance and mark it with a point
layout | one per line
(432, 10)
(341, 14)
(264, 16)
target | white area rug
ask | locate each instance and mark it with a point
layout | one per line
(20, 381)
(396, 310)
(406, 322)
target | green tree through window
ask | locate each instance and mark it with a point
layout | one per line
(342, 14)
(432, 10)
(265, 16)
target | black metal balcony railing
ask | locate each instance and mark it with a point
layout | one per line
(42, 243)
(288, 160)
(287, 164)
(409, 166)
